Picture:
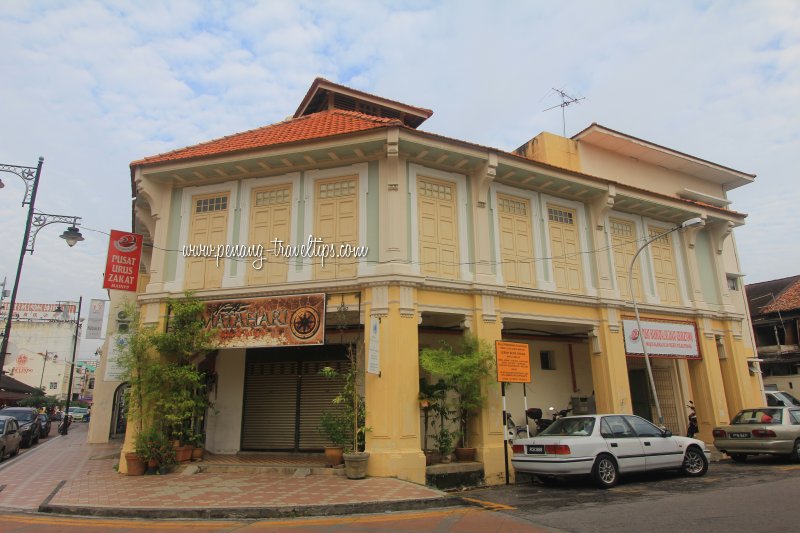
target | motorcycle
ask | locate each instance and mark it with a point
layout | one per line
(693, 428)
(540, 423)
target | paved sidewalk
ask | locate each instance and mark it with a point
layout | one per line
(68, 476)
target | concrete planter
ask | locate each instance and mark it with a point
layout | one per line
(355, 465)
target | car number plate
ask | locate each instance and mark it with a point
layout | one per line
(740, 435)
(533, 448)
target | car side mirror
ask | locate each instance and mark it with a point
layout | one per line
(666, 433)
(11, 431)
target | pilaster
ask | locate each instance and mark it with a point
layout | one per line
(480, 181)
(599, 206)
(486, 429)
(392, 397)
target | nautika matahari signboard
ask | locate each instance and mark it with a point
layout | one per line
(274, 321)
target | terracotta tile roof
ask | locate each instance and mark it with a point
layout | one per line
(315, 126)
(774, 295)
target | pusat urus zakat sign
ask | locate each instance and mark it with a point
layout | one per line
(122, 262)
(664, 339)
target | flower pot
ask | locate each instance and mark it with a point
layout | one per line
(446, 458)
(334, 455)
(136, 465)
(197, 453)
(183, 454)
(355, 465)
(152, 466)
(464, 455)
(431, 458)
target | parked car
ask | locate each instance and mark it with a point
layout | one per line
(44, 425)
(764, 430)
(780, 398)
(605, 446)
(10, 440)
(28, 424)
(78, 414)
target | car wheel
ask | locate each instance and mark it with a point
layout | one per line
(2, 454)
(795, 455)
(739, 457)
(695, 463)
(605, 471)
(15, 452)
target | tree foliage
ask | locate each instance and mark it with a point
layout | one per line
(465, 371)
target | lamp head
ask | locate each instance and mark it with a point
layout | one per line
(695, 222)
(72, 236)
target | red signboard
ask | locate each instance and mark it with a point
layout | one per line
(122, 263)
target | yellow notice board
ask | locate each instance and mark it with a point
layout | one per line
(513, 362)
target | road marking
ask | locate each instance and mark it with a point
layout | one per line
(106, 524)
(489, 506)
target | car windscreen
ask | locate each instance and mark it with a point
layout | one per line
(759, 416)
(22, 417)
(788, 398)
(570, 427)
(2, 426)
(77, 410)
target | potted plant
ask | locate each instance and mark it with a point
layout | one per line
(335, 426)
(198, 442)
(465, 371)
(154, 448)
(444, 443)
(431, 401)
(353, 409)
(136, 465)
(161, 368)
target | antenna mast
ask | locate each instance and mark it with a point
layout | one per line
(566, 100)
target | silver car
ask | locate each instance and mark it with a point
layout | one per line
(10, 439)
(763, 430)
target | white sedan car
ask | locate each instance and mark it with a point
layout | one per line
(605, 446)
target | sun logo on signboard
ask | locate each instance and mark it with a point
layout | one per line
(305, 322)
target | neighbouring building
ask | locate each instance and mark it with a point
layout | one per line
(775, 312)
(40, 347)
(439, 236)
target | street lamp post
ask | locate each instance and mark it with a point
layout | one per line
(691, 223)
(30, 175)
(72, 364)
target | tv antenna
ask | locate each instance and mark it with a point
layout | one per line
(566, 100)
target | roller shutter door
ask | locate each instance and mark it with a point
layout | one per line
(283, 404)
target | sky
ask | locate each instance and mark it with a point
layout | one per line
(91, 86)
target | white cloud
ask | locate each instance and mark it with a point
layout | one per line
(94, 85)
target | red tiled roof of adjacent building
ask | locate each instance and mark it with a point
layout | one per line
(315, 126)
(774, 295)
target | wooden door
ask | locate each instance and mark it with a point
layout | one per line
(336, 223)
(270, 218)
(516, 240)
(208, 227)
(565, 249)
(438, 235)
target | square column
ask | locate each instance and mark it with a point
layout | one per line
(610, 367)
(392, 397)
(486, 428)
